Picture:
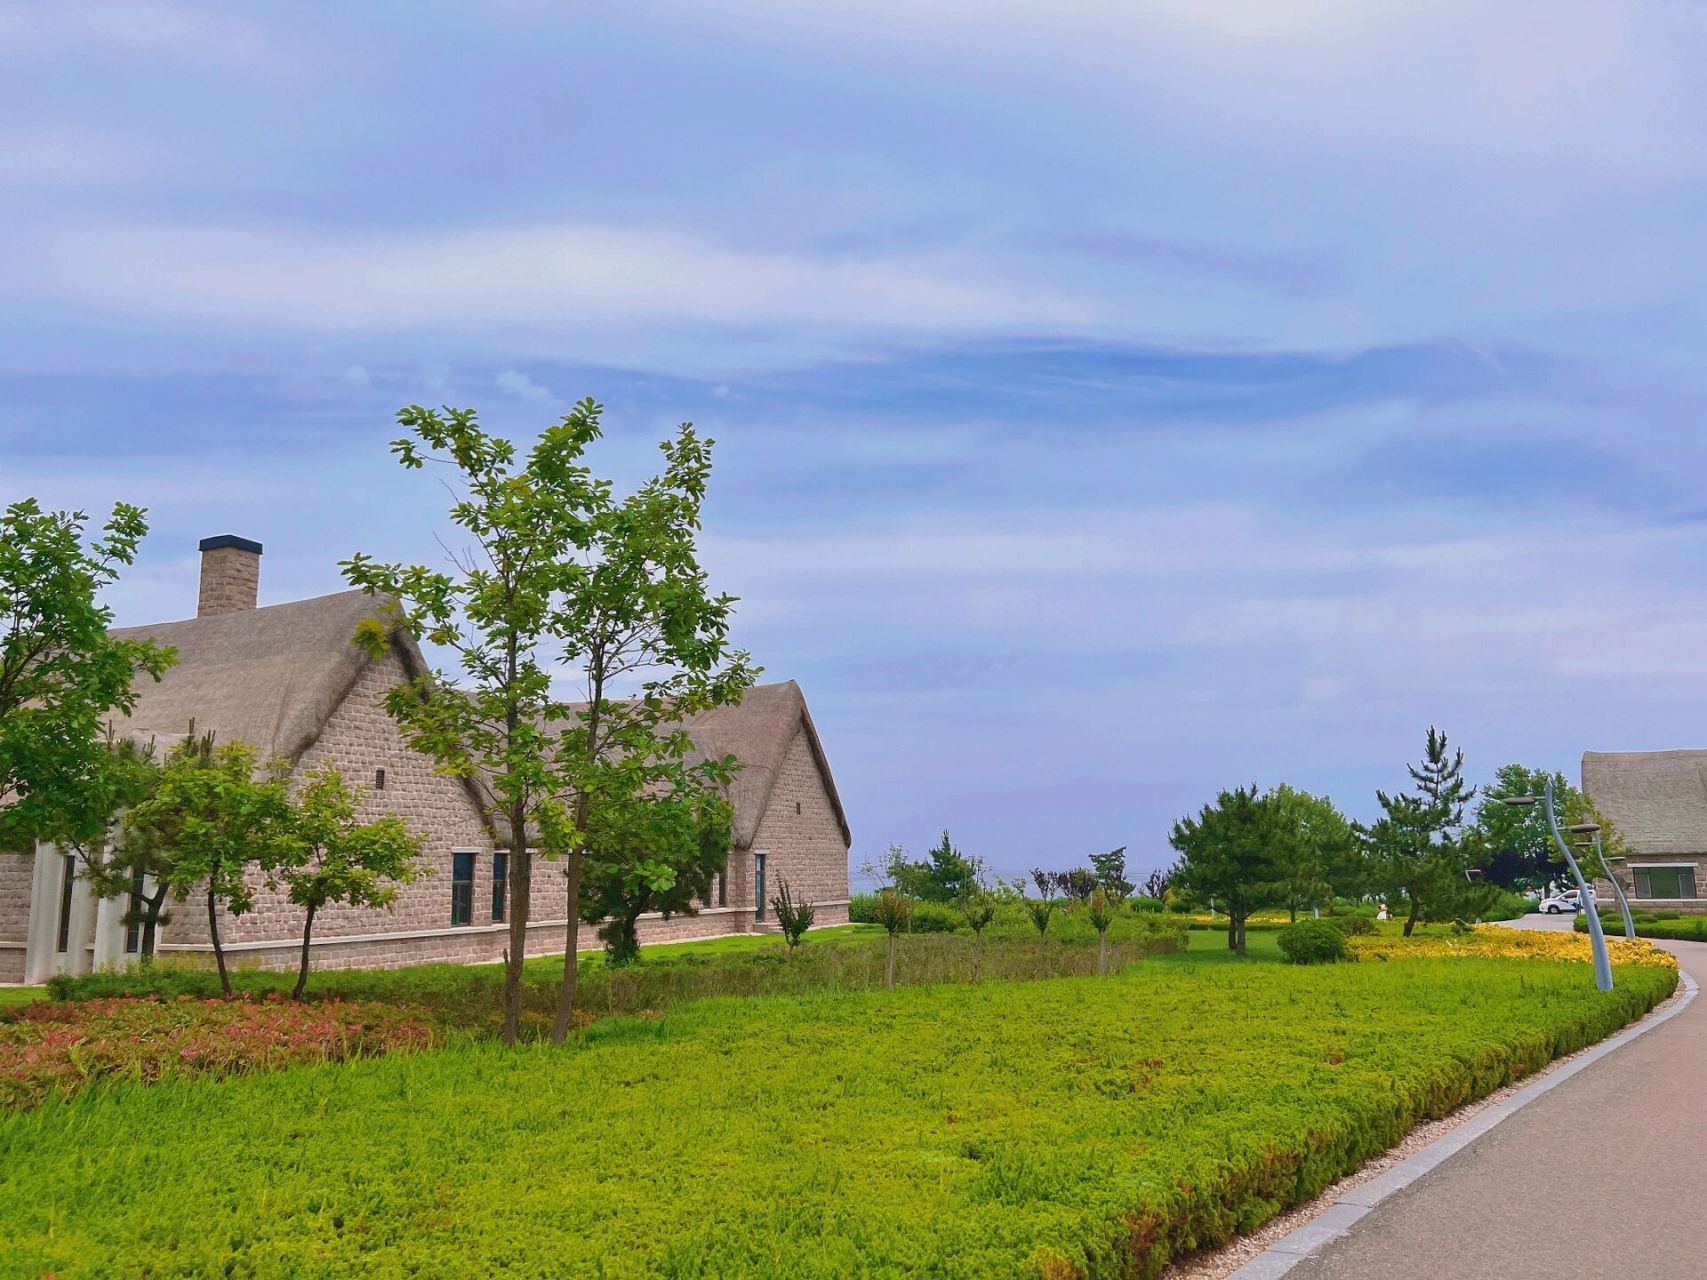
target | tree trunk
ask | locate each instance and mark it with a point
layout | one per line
(1102, 952)
(1411, 920)
(889, 965)
(151, 922)
(218, 950)
(520, 875)
(1293, 908)
(566, 993)
(1236, 931)
(977, 955)
(302, 969)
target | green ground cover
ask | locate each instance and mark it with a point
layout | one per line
(1077, 1127)
(20, 995)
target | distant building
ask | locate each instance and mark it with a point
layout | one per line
(1658, 802)
(288, 680)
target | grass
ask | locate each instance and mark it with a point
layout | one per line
(1076, 1127)
(847, 958)
(20, 995)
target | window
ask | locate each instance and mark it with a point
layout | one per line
(722, 888)
(500, 881)
(1665, 882)
(379, 779)
(133, 925)
(462, 888)
(758, 886)
(64, 943)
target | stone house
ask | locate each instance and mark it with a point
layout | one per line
(1658, 802)
(288, 680)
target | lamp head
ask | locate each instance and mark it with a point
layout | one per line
(1518, 802)
(1583, 828)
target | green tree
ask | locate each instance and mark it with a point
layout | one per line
(947, 873)
(1227, 853)
(567, 574)
(329, 855)
(661, 855)
(1312, 839)
(978, 906)
(62, 674)
(219, 813)
(1420, 847)
(892, 911)
(1110, 869)
(1518, 850)
(1100, 912)
(114, 857)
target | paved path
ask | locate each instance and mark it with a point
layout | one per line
(1604, 1176)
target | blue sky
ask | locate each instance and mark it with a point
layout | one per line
(1114, 402)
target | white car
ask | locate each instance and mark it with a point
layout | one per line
(1558, 904)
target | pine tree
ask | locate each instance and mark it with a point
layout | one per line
(1420, 845)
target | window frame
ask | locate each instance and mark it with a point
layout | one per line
(500, 884)
(462, 888)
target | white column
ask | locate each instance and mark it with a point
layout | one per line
(39, 941)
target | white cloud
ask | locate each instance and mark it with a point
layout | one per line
(512, 382)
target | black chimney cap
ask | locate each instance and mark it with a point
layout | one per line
(229, 540)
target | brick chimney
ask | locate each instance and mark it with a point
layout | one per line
(231, 575)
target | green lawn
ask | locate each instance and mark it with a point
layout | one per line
(1076, 1126)
(20, 995)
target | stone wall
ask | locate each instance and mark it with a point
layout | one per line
(1608, 901)
(798, 831)
(16, 873)
(800, 835)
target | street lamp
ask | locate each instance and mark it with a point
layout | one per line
(1618, 889)
(1597, 939)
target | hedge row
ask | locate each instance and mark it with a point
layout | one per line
(1674, 928)
(1084, 1127)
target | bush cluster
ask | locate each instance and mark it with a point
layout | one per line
(1091, 1128)
(1313, 942)
(49, 1049)
(1692, 928)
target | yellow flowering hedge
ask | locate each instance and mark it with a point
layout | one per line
(1491, 940)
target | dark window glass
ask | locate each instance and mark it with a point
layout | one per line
(133, 930)
(758, 886)
(462, 888)
(722, 888)
(500, 879)
(379, 779)
(65, 905)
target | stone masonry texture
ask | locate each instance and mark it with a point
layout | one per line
(798, 831)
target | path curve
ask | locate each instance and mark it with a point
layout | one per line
(1605, 1175)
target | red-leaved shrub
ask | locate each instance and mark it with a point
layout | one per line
(50, 1048)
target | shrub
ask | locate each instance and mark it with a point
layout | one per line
(51, 1049)
(794, 918)
(935, 917)
(862, 908)
(1673, 928)
(1145, 906)
(1312, 942)
(1353, 926)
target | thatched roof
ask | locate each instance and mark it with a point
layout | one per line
(1656, 799)
(270, 677)
(758, 732)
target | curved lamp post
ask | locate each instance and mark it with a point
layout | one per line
(1597, 939)
(1617, 889)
